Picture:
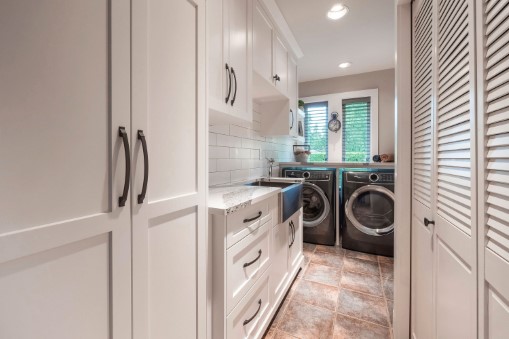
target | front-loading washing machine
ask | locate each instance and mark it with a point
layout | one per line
(318, 203)
(368, 218)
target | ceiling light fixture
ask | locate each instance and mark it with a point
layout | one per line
(345, 64)
(337, 12)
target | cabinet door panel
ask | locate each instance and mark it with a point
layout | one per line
(279, 266)
(493, 107)
(168, 227)
(422, 320)
(262, 43)
(455, 172)
(293, 95)
(281, 65)
(238, 50)
(217, 56)
(65, 241)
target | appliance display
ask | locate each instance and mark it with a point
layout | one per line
(318, 195)
(368, 223)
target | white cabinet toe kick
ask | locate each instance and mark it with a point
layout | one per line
(253, 261)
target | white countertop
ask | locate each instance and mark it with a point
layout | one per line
(339, 164)
(227, 200)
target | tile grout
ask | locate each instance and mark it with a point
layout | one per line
(335, 313)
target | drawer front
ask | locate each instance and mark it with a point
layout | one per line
(249, 318)
(245, 263)
(243, 222)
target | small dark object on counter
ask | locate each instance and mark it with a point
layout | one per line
(377, 158)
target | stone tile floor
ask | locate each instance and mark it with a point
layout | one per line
(338, 294)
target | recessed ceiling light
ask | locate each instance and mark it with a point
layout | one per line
(337, 12)
(345, 64)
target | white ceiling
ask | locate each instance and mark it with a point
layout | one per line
(365, 36)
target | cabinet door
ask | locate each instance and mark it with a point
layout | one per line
(64, 239)
(218, 56)
(493, 40)
(239, 58)
(455, 172)
(295, 250)
(422, 320)
(281, 65)
(279, 266)
(292, 95)
(262, 43)
(169, 227)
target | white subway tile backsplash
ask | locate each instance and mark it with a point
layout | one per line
(228, 141)
(229, 164)
(239, 175)
(219, 178)
(237, 153)
(212, 139)
(212, 165)
(240, 153)
(255, 154)
(217, 152)
(220, 129)
(241, 132)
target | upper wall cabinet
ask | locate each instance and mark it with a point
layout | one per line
(229, 56)
(270, 58)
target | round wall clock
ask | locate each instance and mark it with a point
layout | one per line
(334, 123)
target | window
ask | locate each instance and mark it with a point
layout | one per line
(357, 140)
(316, 130)
(356, 130)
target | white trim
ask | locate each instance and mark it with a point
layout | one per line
(403, 170)
(335, 142)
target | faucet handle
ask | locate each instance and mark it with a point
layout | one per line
(271, 160)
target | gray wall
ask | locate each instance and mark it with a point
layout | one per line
(383, 80)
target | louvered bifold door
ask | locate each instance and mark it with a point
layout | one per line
(493, 41)
(422, 148)
(455, 259)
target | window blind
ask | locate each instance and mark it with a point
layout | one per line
(316, 130)
(356, 130)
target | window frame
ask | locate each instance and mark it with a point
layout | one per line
(335, 104)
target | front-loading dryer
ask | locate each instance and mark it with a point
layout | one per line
(318, 203)
(368, 218)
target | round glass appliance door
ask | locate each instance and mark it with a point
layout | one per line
(315, 205)
(371, 210)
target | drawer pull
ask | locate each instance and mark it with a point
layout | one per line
(254, 218)
(255, 260)
(254, 315)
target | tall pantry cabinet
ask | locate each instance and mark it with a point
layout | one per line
(89, 91)
(460, 236)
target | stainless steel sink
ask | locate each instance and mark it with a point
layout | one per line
(290, 197)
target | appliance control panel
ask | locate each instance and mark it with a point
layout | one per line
(386, 177)
(310, 175)
(370, 177)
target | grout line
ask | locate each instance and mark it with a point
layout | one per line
(363, 320)
(385, 297)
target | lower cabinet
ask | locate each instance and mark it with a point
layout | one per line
(286, 248)
(253, 263)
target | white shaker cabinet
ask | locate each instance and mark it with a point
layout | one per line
(169, 233)
(230, 60)
(91, 94)
(64, 122)
(270, 58)
(286, 247)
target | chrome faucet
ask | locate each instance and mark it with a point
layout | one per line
(271, 163)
